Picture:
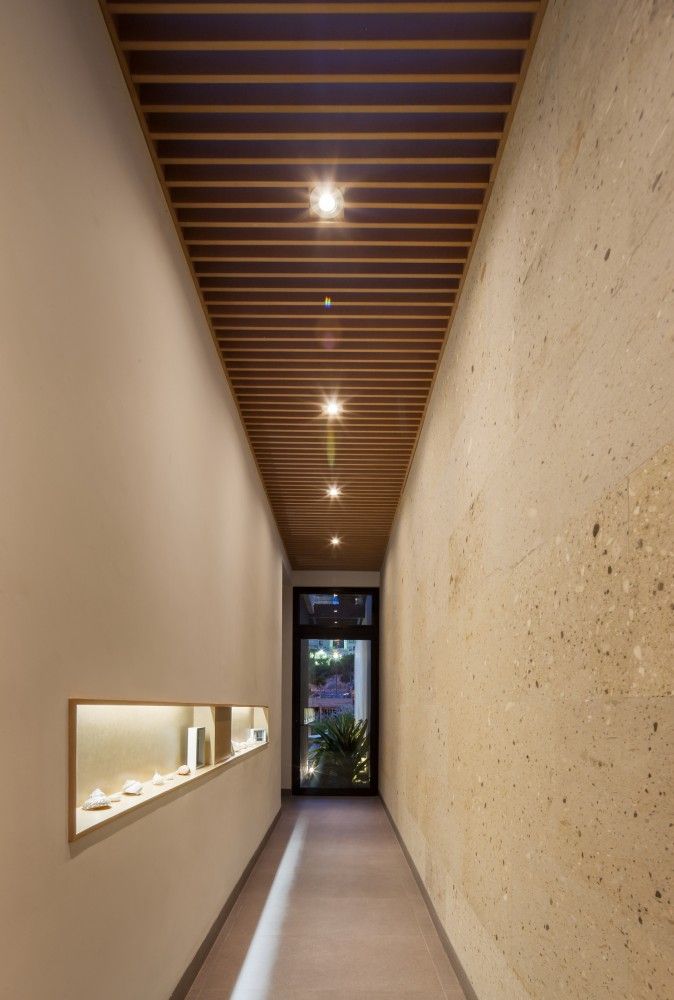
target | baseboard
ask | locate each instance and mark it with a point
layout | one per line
(466, 985)
(286, 793)
(190, 973)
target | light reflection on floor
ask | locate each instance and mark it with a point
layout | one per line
(258, 966)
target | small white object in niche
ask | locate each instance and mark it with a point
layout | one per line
(183, 770)
(97, 800)
(157, 778)
(132, 787)
(196, 747)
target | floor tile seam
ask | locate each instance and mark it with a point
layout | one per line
(413, 941)
(366, 857)
(309, 894)
(365, 994)
(376, 937)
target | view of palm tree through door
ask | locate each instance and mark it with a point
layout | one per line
(335, 692)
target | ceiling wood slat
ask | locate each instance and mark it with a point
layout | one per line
(325, 109)
(312, 79)
(452, 7)
(320, 136)
(405, 106)
(324, 44)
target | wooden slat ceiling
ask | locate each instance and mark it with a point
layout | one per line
(247, 107)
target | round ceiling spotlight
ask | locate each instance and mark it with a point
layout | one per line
(327, 202)
(332, 408)
(335, 541)
(333, 492)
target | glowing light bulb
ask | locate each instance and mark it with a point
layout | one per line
(332, 408)
(327, 202)
(335, 541)
(333, 492)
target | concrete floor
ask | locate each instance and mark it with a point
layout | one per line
(331, 911)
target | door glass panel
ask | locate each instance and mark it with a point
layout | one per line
(339, 609)
(335, 713)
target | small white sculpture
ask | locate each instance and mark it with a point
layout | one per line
(132, 787)
(157, 778)
(97, 800)
(183, 769)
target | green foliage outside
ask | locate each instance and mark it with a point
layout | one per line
(340, 751)
(322, 666)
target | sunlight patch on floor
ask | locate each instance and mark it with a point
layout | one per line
(258, 966)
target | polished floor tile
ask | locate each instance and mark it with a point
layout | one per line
(331, 911)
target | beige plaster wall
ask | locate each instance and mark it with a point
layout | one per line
(138, 559)
(528, 653)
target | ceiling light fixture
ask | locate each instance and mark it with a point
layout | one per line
(335, 541)
(333, 492)
(332, 408)
(327, 202)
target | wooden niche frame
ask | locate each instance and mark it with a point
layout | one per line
(119, 745)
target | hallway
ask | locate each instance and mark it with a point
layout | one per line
(331, 911)
(337, 450)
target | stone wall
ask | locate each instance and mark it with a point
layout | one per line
(528, 635)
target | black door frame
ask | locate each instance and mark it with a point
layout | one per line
(370, 632)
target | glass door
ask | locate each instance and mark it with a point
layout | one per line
(335, 717)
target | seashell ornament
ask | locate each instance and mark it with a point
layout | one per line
(183, 769)
(132, 787)
(157, 778)
(97, 800)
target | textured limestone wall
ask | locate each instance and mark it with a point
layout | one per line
(528, 628)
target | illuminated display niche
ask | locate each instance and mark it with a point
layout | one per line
(114, 743)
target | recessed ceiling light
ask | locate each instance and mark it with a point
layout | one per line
(333, 492)
(327, 202)
(335, 541)
(332, 408)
